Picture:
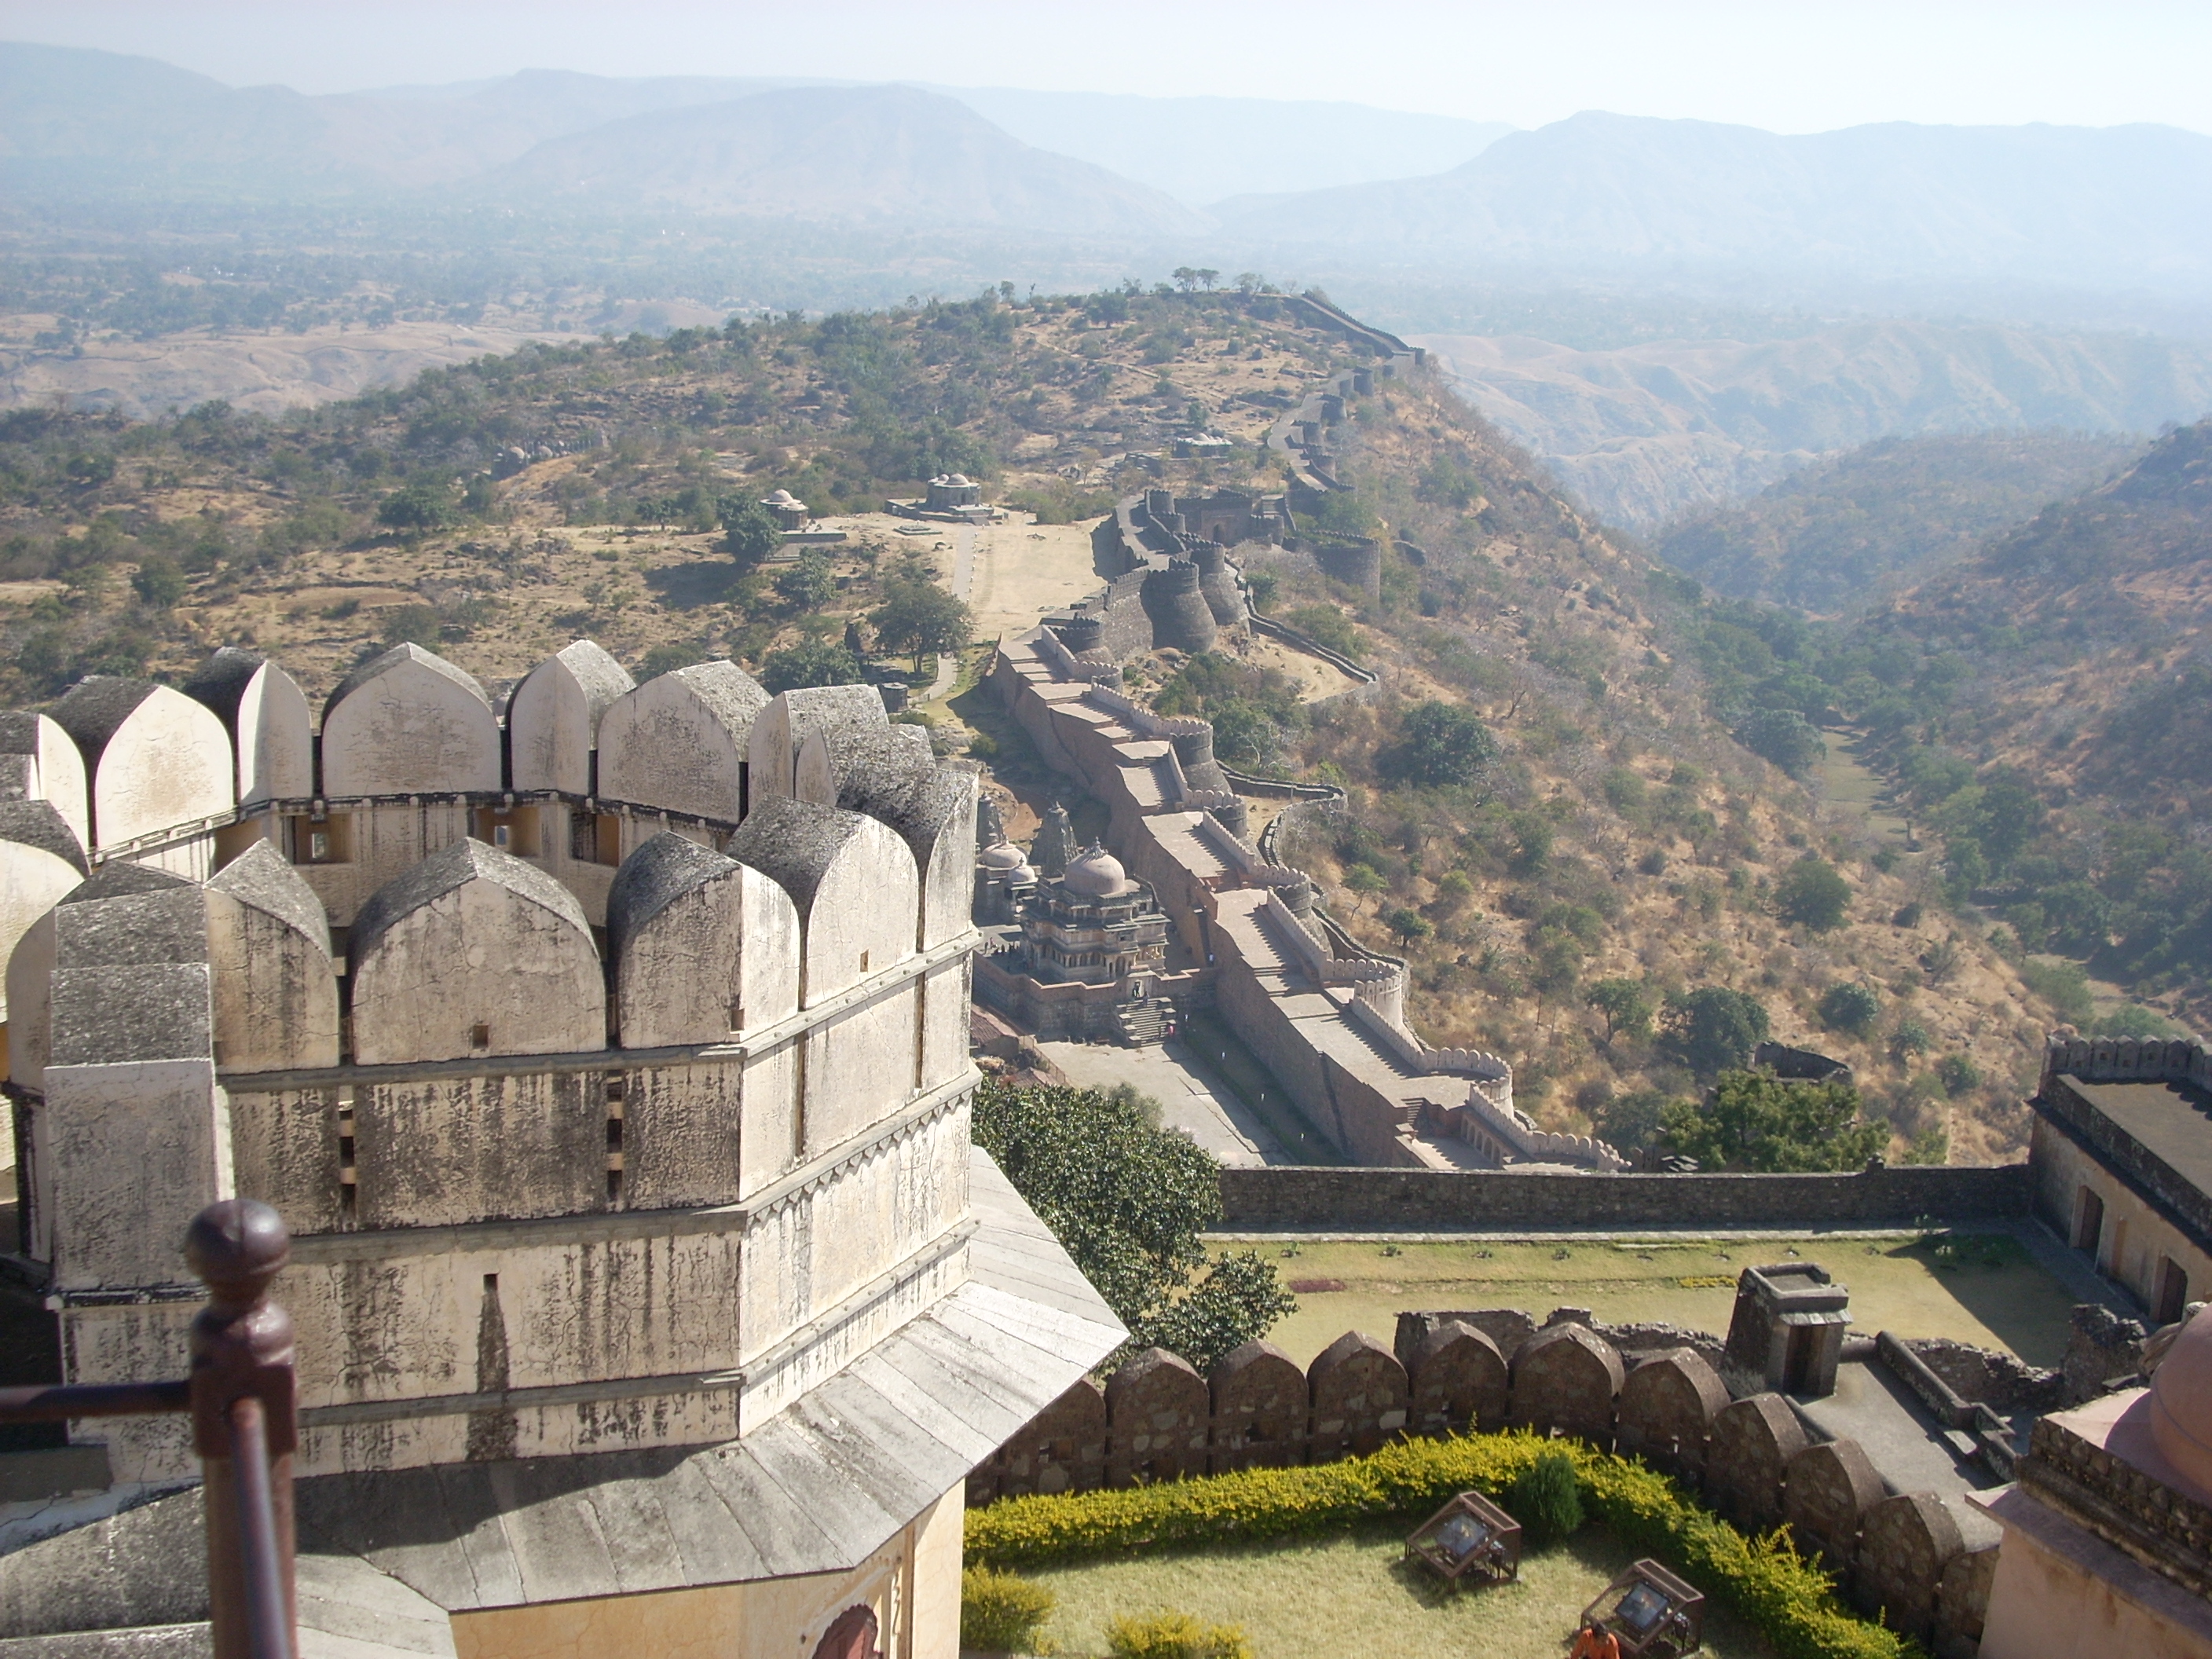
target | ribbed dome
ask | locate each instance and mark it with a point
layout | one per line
(1096, 873)
(2181, 1403)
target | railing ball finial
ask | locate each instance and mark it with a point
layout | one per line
(236, 1246)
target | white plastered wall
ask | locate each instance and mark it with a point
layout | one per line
(31, 881)
(410, 730)
(663, 747)
(275, 739)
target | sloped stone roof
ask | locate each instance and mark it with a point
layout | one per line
(654, 877)
(599, 676)
(793, 842)
(452, 868)
(36, 823)
(398, 657)
(220, 682)
(262, 877)
(96, 708)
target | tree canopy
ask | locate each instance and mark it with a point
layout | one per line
(750, 533)
(815, 663)
(1441, 743)
(1755, 1122)
(1129, 1199)
(1814, 894)
(919, 617)
(1713, 1029)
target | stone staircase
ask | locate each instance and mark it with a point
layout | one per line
(1142, 1023)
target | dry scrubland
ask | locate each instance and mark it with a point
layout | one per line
(1619, 832)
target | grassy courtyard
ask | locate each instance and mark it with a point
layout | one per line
(1982, 1288)
(1353, 1596)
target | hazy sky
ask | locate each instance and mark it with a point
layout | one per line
(1788, 66)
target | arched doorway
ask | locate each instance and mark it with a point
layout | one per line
(851, 1635)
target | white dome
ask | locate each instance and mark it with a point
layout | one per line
(958, 481)
(1096, 873)
(1000, 855)
(782, 498)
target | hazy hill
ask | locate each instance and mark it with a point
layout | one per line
(1620, 831)
(1835, 534)
(2128, 206)
(1204, 149)
(1646, 432)
(843, 154)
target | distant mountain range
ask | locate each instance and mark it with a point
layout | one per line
(2128, 206)
(1646, 432)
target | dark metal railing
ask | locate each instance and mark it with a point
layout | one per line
(240, 1397)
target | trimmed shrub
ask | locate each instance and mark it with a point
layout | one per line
(1168, 1634)
(1547, 1500)
(1790, 1602)
(1001, 1612)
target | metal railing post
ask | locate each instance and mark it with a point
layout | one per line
(244, 1427)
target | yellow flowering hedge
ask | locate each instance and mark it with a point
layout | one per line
(1790, 1602)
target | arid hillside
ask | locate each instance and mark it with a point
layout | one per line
(1546, 811)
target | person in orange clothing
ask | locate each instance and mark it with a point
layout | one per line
(1595, 1641)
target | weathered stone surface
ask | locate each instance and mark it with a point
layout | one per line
(1259, 1408)
(1746, 1455)
(1358, 1396)
(1156, 1408)
(39, 760)
(276, 996)
(1665, 1412)
(409, 723)
(1459, 1381)
(473, 952)
(553, 717)
(147, 1566)
(1062, 1448)
(1565, 1381)
(678, 742)
(272, 727)
(1907, 1545)
(783, 728)
(1962, 1600)
(153, 757)
(1828, 1490)
(41, 861)
(703, 946)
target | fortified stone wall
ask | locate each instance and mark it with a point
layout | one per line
(1900, 1557)
(626, 1162)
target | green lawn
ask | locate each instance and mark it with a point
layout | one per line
(1353, 1597)
(1987, 1290)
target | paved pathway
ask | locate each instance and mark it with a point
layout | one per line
(1193, 1096)
(963, 573)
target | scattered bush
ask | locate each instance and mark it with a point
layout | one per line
(1001, 1612)
(1443, 744)
(1327, 625)
(1790, 1600)
(1957, 1073)
(1547, 1500)
(1168, 1634)
(801, 666)
(1850, 1006)
(2063, 986)
(1814, 894)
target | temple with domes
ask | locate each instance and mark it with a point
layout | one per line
(1091, 957)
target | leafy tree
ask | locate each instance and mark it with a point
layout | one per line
(920, 617)
(1365, 880)
(159, 581)
(816, 663)
(1814, 894)
(1957, 1073)
(750, 533)
(1626, 1004)
(417, 508)
(1910, 1038)
(808, 585)
(1342, 513)
(1408, 924)
(1713, 1029)
(1847, 1005)
(1785, 737)
(413, 624)
(1328, 626)
(1443, 744)
(1758, 1123)
(1129, 1200)
(1631, 1121)
(666, 660)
